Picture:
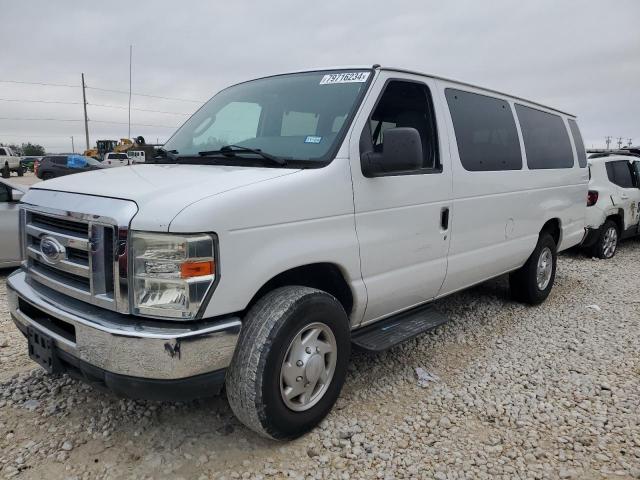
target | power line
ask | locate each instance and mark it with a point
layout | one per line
(136, 109)
(101, 105)
(144, 95)
(78, 120)
(20, 100)
(40, 83)
(126, 92)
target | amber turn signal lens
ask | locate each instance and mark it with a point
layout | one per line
(196, 269)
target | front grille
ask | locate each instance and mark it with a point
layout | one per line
(71, 255)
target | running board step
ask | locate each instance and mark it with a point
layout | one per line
(394, 330)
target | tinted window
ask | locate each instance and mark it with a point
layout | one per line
(405, 104)
(577, 141)
(546, 140)
(59, 160)
(620, 173)
(485, 130)
(3, 151)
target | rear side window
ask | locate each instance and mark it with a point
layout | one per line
(485, 132)
(546, 140)
(577, 141)
(620, 173)
(3, 151)
(60, 160)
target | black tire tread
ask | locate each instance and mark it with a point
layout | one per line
(522, 281)
(243, 379)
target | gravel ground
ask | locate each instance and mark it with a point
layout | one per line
(505, 391)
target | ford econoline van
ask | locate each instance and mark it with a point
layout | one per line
(291, 218)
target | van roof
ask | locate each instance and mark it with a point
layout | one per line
(437, 77)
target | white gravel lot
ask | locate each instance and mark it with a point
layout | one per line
(519, 392)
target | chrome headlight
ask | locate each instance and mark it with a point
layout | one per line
(171, 273)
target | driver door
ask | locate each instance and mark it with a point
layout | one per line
(402, 217)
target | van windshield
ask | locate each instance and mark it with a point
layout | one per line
(296, 117)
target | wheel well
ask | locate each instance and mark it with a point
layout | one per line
(553, 227)
(323, 276)
(617, 218)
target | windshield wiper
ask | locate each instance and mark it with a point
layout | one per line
(170, 154)
(232, 150)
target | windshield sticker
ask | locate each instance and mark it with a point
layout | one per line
(311, 139)
(345, 77)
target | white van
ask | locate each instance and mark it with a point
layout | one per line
(136, 156)
(295, 215)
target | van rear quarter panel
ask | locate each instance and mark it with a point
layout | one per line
(497, 215)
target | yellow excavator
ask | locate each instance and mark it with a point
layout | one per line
(106, 146)
(123, 146)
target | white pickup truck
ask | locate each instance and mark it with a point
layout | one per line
(292, 217)
(116, 159)
(10, 162)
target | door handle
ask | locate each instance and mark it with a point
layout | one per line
(624, 196)
(444, 218)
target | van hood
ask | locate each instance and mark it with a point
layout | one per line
(161, 191)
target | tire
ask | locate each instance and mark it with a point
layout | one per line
(255, 378)
(47, 176)
(20, 171)
(607, 243)
(524, 282)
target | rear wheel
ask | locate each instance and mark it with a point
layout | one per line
(607, 243)
(533, 281)
(290, 362)
(47, 176)
(20, 171)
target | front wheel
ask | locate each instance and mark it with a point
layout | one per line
(290, 362)
(533, 281)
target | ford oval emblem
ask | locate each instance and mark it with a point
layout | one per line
(52, 250)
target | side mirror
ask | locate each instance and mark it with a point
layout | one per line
(16, 195)
(402, 151)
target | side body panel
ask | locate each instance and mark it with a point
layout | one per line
(497, 215)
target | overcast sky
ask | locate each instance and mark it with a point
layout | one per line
(581, 56)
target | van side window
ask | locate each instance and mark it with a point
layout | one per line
(620, 173)
(405, 104)
(577, 141)
(485, 131)
(3, 152)
(546, 140)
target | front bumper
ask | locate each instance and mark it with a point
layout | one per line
(132, 356)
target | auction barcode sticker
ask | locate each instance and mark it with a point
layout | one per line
(345, 77)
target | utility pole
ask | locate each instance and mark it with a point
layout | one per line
(73, 148)
(619, 143)
(630, 141)
(130, 56)
(607, 139)
(86, 121)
